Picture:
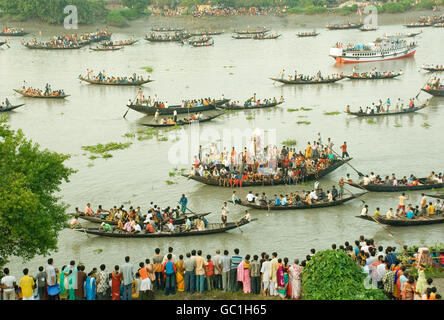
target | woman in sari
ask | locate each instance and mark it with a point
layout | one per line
(295, 275)
(116, 279)
(243, 274)
(422, 282)
(282, 278)
(63, 283)
(180, 271)
(397, 270)
(90, 286)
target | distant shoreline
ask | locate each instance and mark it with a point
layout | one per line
(226, 23)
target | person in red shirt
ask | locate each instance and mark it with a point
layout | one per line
(209, 272)
(344, 150)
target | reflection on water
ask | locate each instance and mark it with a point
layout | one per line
(237, 69)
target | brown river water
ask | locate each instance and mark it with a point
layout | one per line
(237, 69)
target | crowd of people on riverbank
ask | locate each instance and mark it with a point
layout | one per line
(381, 107)
(103, 78)
(195, 272)
(426, 208)
(265, 164)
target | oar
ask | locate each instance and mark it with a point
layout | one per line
(374, 219)
(189, 209)
(359, 173)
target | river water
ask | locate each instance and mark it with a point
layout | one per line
(237, 69)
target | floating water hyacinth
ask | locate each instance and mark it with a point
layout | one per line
(169, 182)
(129, 135)
(425, 125)
(306, 109)
(371, 121)
(103, 148)
(292, 110)
(332, 113)
(147, 69)
(303, 122)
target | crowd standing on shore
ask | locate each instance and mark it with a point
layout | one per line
(267, 275)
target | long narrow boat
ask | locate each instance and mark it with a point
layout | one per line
(403, 222)
(419, 25)
(435, 92)
(389, 188)
(310, 177)
(181, 122)
(299, 81)
(252, 31)
(14, 34)
(433, 69)
(167, 29)
(241, 107)
(178, 108)
(114, 223)
(302, 206)
(436, 195)
(212, 228)
(310, 34)
(393, 75)
(206, 33)
(266, 37)
(10, 108)
(136, 83)
(45, 47)
(203, 44)
(106, 49)
(345, 26)
(119, 43)
(41, 97)
(242, 36)
(364, 29)
(404, 111)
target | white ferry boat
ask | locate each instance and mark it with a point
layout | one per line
(386, 50)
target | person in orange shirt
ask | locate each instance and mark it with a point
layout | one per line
(344, 150)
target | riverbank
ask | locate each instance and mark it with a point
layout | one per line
(276, 23)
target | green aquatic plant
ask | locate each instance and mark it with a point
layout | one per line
(332, 113)
(147, 69)
(306, 109)
(169, 182)
(104, 148)
(303, 122)
(250, 117)
(302, 116)
(129, 135)
(292, 110)
(425, 125)
(371, 121)
(107, 155)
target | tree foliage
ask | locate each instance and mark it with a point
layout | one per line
(30, 213)
(52, 11)
(333, 275)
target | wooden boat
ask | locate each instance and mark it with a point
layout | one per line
(436, 195)
(439, 25)
(119, 43)
(172, 39)
(242, 36)
(106, 49)
(137, 83)
(393, 75)
(252, 31)
(309, 177)
(413, 34)
(302, 206)
(299, 81)
(2, 43)
(419, 25)
(44, 47)
(404, 111)
(345, 26)
(403, 222)
(212, 228)
(14, 34)
(203, 44)
(435, 92)
(241, 107)
(266, 37)
(41, 97)
(389, 188)
(206, 33)
(10, 108)
(163, 29)
(304, 35)
(114, 223)
(170, 110)
(433, 69)
(363, 28)
(181, 122)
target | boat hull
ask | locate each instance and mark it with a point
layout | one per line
(386, 188)
(168, 111)
(435, 93)
(394, 56)
(405, 222)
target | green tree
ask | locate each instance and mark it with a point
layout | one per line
(31, 216)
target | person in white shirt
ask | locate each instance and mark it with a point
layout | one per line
(225, 212)
(366, 181)
(8, 283)
(381, 270)
(173, 256)
(265, 270)
(313, 195)
(364, 210)
(372, 177)
(250, 197)
(389, 213)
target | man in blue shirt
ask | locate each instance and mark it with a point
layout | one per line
(277, 201)
(183, 202)
(235, 260)
(410, 214)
